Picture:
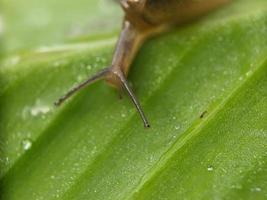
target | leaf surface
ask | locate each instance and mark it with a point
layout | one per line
(203, 87)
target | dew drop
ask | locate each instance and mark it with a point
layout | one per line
(177, 127)
(151, 158)
(210, 168)
(37, 110)
(255, 189)
(26, 144)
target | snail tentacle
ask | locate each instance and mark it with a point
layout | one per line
(100, 75)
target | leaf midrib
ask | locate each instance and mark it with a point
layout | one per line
(193, 131)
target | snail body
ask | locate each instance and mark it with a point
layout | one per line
(144, 19)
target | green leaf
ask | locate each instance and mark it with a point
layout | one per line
(202, 86)
(30, 23)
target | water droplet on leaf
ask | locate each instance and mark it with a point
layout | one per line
(210, 168)
(26, 144)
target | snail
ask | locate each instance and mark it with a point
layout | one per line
(144, 19)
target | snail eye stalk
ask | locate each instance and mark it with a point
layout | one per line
(100, 75)
(134, 99)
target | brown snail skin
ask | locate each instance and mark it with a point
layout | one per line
(143, 19)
